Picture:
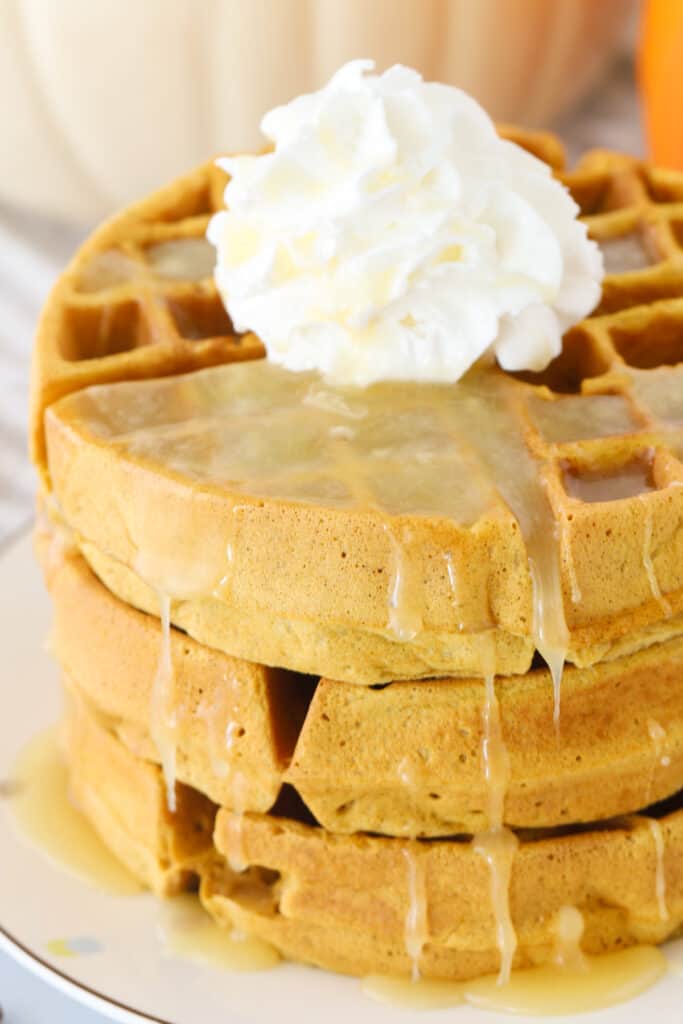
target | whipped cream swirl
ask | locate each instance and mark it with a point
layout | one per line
(391, 234)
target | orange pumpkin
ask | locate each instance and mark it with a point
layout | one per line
(661, 80)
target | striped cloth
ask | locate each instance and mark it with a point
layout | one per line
(33, 250)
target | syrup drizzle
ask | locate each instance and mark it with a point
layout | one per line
(517, 476)
(406, 450)
(634, 480)
(226, 580)
(575, 589)
(569, 928)
(416, 929)
(222, 725)
(498, 845)
(452, 578)
(648, 564)
(251, 414)
(581, 417)
(660, 876)
(404, 595)
(43, 809)
(405, 617)
(658, 736)
(545, 622)
(416, 925)
(209, 714)
(495, 755)
(406, 772)
(163, 720)
(224, 586)
(235, 852)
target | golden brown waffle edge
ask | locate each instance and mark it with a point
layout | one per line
(401, 760)
(305, 898)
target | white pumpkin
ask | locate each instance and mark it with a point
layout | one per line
(102, 101)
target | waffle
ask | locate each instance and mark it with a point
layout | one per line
(122, 310)
(376, 760)
(411, 577)
(115, 670)
(326, 615)
(127, 806)
(341, 901)
(452, 587)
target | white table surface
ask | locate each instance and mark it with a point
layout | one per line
(32, 252)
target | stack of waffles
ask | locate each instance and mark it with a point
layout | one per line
(390, 676)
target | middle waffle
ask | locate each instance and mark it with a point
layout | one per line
(403, 759)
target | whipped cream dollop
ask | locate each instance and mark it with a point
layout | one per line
(391, 234)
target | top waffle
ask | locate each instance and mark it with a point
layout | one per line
(403, 531)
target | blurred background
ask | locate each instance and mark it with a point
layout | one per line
(102, 102)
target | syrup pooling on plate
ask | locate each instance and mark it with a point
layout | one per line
(46, 814)
(190, 933)
(606, 980)
(593, 983)
(426, 994)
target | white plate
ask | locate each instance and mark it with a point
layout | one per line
(123, 971)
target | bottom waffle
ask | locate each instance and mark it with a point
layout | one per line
(124, 798)
(342, 902)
